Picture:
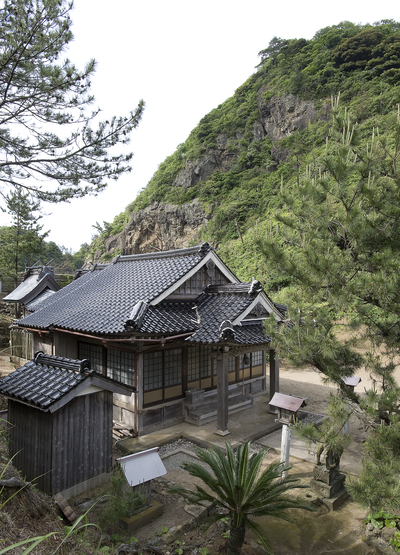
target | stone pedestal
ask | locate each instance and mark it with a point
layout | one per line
(194, 397)
(328, 484)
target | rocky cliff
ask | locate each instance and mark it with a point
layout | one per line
(159, 227)
(163, 226)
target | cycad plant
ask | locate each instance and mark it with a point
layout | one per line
(237, 484)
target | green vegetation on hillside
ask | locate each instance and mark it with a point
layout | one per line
(336, 236)
(361, 62)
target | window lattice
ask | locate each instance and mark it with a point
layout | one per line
(121, 366)
(173, 367)
(94, 353)
(153, 371)
(231, 364)
(257, 358)
(193, 363)
(205, 362)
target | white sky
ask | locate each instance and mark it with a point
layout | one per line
(183, 57)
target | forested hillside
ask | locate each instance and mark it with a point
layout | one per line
(223, 183)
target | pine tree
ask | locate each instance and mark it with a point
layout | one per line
(39, 92)
(22, 240)
(337, 236)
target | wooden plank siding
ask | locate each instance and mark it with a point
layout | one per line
(30, 438)
(196, 284)
(66, 448)
(21, 344)
(82, 440)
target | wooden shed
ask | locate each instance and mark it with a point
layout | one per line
(61, 415)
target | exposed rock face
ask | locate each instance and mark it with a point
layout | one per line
(200, 170)
(159, 227)
(281, 117)
(167, 226)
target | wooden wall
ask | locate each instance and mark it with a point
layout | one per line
(22, 344)
(65, 345)
(196, 284)
(70, 446)
(30, 439)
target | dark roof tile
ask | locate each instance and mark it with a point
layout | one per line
(42, 384)
(124, 297)
(101, 302)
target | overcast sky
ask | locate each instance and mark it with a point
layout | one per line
(183, 57)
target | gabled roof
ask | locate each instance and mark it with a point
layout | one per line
(102, 302)
(217, 310)
(36, 280)
(138, 296)
(222, 311)
(48, 382)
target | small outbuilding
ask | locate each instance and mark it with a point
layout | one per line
(38, 284)
(60, 415)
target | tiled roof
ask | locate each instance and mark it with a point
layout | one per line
(40, 385)
(42, 298)
(44, 381)
(218, 307)
(130, 296)
(102, 302)
(170, 317)
(203, 317)
(36, 280)
(252, 334)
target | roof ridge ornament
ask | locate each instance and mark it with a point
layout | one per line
(205, 248)
(136, 316)
(255, 287)
(226, 331)
(81, 366)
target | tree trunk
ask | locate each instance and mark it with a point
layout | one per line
(236, 540)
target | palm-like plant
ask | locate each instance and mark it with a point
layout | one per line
(237, 485)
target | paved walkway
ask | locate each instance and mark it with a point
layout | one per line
(254, 424)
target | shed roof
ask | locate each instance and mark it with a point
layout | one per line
(287, 402)
(48, 382)
(143, 466)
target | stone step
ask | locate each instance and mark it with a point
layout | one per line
(208, 412)
(210, 397)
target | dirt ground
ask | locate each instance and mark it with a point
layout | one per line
(308, 533)
(315, 533)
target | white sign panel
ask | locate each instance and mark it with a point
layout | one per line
(142, 467)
